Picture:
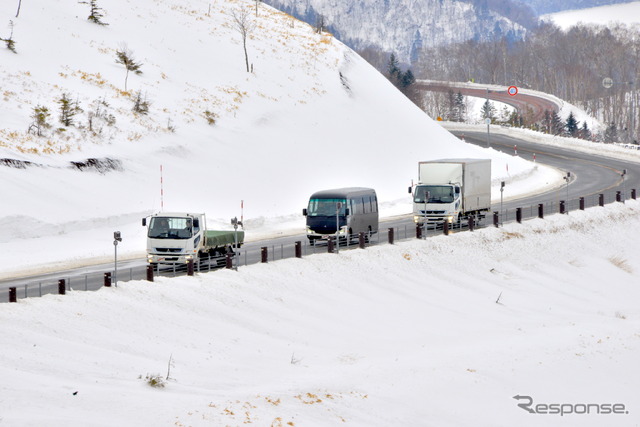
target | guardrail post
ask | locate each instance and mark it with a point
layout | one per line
(519, 215)
(228, 261)
(330, 245)
(601, 199)
(418, 231)
(445, 227)
(149, 273)
(62, 287)
(298, 249)
(541, 210)
(561, 206)
(13, 295)
(264, 254)
(361, 240)
(472, 223)
(633, 193)
(391, 236)
(107, 280)
(581, 203)
(618, 196)
(496, 219)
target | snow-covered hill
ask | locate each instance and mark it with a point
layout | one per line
(626, 13)
(311, 115)
(404, 26)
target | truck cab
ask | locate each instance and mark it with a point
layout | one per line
(174, 237)
(436, 203)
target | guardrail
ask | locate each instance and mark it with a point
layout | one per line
(265, 254)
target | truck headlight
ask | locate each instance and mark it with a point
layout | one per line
(344, 229)
(149, 258)
(450, 219)
(417, 218)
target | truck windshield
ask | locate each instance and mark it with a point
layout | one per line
(325, 207)
(437, 194)
(170, 228)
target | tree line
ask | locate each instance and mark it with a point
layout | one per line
(569, 64)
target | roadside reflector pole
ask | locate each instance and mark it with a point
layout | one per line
(62, 287)
(519, 215)
(445, 227)
(298, 248)
(150, 273)
(581, 203)
(107, 280)
(472, 223)
(391, 236)
(13, 295)
(418, 231)
(361, 240)
(496, 219)
(601, 200)
(264, 254)
(561, 206)
(541, 210)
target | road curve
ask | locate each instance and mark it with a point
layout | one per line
(530, 105)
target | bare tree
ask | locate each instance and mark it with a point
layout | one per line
(19, 5)
(125, 57)
(244, 25)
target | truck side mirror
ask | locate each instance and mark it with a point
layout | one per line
(409, 190)
(144, 222)
(346, 212)
(304, 212)
(196, 223)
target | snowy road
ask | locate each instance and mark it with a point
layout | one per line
(591, 175)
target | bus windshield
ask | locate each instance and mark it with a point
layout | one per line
(325, 207)
(437, 194)
(170, 228)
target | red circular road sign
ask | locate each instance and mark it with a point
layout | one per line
(512, 90)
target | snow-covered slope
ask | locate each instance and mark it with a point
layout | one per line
(626, 13)
(403, 26)
(311, 115)
(442, 332)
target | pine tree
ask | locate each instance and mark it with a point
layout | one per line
(571, 125)
(140, 105)
(546, 122)
(611, 133)
(10, 42)
(393, 68)
(407, 79)
(557, 126)
(40, 116)
(125, 57)
(460, 106)
(68, 109)
(95, 14)
(488, 111)
(584, 132)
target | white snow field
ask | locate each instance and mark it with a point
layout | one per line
(625, 13)
(437, 332)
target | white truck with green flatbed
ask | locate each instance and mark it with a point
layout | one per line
(178, 237)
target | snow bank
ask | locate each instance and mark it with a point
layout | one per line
(415, 333)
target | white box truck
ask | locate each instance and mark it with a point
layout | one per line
(451, 190)
(178, 237)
